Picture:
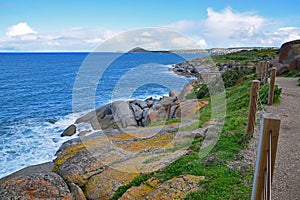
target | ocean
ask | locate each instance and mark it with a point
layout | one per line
(37, 95)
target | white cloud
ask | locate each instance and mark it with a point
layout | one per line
(186, 25)
(279, 36)
(202, 44)
(161, 39)
(146, 34)
(22, 37)
(224, 28)
(19, 29)
(227, 22)
(227, 28)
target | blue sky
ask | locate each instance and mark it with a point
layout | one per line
(52, 25)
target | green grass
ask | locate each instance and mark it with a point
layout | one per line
(246, 56)
(290, 74)
(162, 122)
(264, 91)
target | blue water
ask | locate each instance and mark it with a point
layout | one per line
(38, 87)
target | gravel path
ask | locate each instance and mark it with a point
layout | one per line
(286, 182)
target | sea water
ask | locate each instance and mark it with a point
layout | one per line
(37, 90)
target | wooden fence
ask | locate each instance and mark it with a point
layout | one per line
(262, 70)
(268, 139)
(254, 95)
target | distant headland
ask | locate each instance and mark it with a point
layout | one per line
(141, 50)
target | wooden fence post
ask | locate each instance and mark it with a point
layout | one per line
(266, 70)
(263, 72)
(253, 105)
(258, 69)
(272, 85)
(266, 155)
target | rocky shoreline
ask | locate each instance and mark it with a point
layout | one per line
(122, 114)
(115, 144)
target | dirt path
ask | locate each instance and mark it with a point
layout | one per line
(286, 182)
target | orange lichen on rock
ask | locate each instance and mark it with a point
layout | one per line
(190, 107)
(159, 141)
(140, 192)
(175, 188)
(102, 186)
(201, 104)
(36, 186)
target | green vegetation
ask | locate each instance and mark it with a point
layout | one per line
(246, 56)
(230, 78)
(291, 74)
(264, 89)
(233, 76)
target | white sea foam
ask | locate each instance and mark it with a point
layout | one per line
(31, 142)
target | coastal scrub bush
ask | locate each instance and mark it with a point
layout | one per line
(230, 77)
(201, 91)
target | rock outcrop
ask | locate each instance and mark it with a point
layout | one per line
(36, 186)
(103, 186)
(175, 188)
(289, 58)
(193, 68)
(136, 113)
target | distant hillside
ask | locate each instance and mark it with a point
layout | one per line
(141, 50)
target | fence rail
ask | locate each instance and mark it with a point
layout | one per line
(267, 148)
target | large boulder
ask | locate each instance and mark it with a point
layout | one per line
(75, 163)
(71, 130)
(76, 192)
(36, 186)
(175, 188)
(280, 68)
(123, 114)
(116, 115)
(290, 54)
(140, 110)
(104, 185)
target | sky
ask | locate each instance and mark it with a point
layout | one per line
(56, 25)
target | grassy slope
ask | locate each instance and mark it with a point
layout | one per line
(221, 182)
(246, 56)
